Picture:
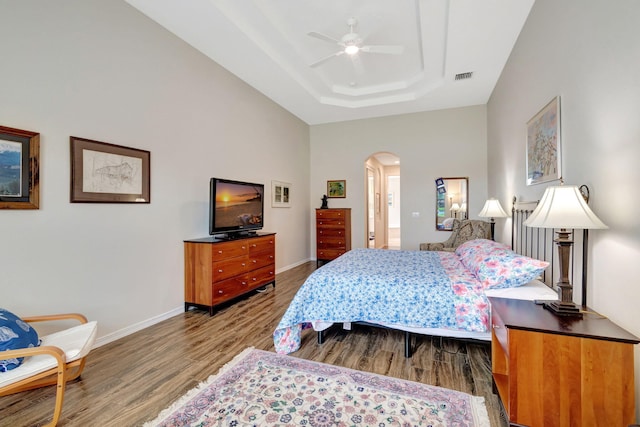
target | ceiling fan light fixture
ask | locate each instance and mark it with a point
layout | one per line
(351, 49)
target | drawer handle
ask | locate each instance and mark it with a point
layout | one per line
(243, 264)
(254, 246)
(220, 271)
(220, 292)
(270, 256)
(254, 279)
(244, 283)
(219, 252)
(254, 261)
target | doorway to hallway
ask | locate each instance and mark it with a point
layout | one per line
(382, 198)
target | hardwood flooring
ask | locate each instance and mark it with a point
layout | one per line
(129, 381)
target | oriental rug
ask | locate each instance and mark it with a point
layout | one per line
(260, 388)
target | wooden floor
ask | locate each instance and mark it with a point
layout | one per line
(129, 381)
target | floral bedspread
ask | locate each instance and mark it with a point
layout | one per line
(411, 288)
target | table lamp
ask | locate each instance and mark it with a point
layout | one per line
(492, 209)
(563, 207)
(454, 209)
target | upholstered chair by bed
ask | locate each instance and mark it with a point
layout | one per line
(462, 231)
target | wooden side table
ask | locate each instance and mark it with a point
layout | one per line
(554, 370)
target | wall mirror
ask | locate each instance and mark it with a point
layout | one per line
(452, 195)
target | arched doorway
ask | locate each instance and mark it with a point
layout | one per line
(382, 198)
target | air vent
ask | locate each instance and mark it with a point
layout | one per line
(463, 76)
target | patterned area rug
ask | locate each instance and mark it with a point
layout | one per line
(260, 388)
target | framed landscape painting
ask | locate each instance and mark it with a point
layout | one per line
(19, 169)
(337, 188)
(543, 144)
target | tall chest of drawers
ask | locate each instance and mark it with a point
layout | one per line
(216, 271)
(333, 233)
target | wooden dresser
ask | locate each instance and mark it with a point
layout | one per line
(561, 371)
(333, 233)
(216, 271)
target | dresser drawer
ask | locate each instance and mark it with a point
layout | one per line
(330, 213)
(229, 268)
(330, 223)
(221, 251)
(330, 253)
(262, 275)
(331, 232)
(230, 288)
(331, 243)
(262, 244)
(260, 260)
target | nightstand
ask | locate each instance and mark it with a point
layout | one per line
(556, 370)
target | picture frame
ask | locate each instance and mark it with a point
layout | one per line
(337, 189)
(19, 169)
(543, 158)
(107, 173)
(280, 194)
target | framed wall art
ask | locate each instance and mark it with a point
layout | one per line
(543, 144)
(19, 169)
(337, 189)
(280, 194)
(108, 173)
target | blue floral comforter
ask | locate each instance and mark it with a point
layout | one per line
(411, 288)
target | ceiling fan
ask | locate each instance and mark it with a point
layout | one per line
(351, 44)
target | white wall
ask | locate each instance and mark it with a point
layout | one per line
(588, 53)
(430, 145)
(98, 69)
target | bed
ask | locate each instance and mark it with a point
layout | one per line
(419, 292)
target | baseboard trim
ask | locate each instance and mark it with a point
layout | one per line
(137, 327)
(159, 318)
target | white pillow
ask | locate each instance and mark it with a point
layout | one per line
(532, 290)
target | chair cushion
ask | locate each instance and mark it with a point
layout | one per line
(15, 333)
(76, 342)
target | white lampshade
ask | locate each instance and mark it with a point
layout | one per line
(463, 207)
(563, 206)
(492, 209)
(455, 207)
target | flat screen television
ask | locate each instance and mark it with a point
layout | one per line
(236, 208)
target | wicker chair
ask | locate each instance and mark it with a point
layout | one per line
(462, 231)
(59, 359)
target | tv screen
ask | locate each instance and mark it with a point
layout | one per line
(235, 206)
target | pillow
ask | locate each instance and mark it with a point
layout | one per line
(15, 333)
(497, 266)
(477, 248)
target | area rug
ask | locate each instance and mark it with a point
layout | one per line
(260, 388)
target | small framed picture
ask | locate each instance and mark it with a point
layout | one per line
(108, 173)
(337, 189)
(280, 194)
(544, 144)
(19, 169)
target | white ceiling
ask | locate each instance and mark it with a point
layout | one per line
(267, 44)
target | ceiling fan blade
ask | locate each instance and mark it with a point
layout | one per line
(333, 55)
(393, 50)
(323, 37)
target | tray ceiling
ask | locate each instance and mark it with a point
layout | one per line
(410, 50)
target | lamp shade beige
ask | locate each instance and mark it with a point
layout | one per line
(563, 206)
(492, 209)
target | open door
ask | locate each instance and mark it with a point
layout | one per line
(382, 198)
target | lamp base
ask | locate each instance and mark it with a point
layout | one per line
(563, 308)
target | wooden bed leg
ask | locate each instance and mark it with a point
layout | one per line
(320, 337)
(407, 344)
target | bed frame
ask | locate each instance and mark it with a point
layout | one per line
(533, 242)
